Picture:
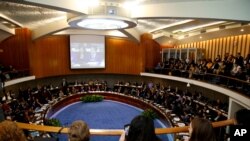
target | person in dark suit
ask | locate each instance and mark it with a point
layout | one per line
(64, 86)
(239, 60)
(1, 113)
(242, 117)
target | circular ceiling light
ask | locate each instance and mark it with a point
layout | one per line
(102, 22)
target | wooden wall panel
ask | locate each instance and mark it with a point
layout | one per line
(152, 51)
(220, 46)
(224, 46)
(213, 49)
(247, 45)
(239, 46)
(205, 46)
(227, 45)
(15, 50)
(217, 48)
(210, 49)
(193, 44)
(243, 45)
(50, 57)
(233, 44)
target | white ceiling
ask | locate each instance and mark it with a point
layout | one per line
(50, 17)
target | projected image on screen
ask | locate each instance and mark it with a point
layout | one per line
(87, 51)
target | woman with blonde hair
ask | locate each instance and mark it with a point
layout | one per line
(9, 131)
(79, 131)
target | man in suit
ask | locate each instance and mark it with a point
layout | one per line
(239, 60)
(64, 86)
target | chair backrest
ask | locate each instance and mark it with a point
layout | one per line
(45, 139)
(1, 114)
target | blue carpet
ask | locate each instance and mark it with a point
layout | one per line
(102, 115)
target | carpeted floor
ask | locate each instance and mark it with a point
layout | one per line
(102, 115)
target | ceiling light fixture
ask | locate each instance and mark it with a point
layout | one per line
(104, 22)
(5, 22)
(242, 30)
(171, 25)
(199, 26)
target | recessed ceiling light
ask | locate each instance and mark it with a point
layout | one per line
(5, 22)
(171, 25)
(198, 27)
(102, 24)
(242, 30)
(200, 37)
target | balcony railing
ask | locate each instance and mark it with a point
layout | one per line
(116, 132)
(241, 86)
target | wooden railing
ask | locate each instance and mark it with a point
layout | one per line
(116, 132)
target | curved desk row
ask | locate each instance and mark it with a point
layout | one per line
(143, 104)
(137, 102)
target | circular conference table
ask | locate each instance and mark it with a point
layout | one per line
(59, 103)
(54, 106)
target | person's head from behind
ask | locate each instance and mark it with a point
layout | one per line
(201, 130)
(242, 117)
(9, 131)
(141, 129)
(79, 131)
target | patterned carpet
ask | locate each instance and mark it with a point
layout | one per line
(102, 115)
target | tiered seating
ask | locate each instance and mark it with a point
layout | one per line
(163, 100)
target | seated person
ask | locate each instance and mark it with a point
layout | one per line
(141, 129)
(79, 131)
(209, 66)
(7, 97)
(240, 74)
(159, 67)
(242, 117)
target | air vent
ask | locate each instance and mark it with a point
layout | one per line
(111, 11)
(245, 23)
(203, 31)
(222, 27)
